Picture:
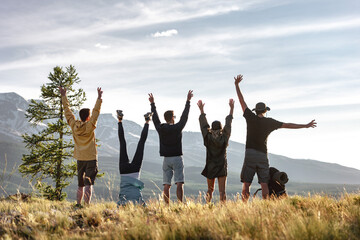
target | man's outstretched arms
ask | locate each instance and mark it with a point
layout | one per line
(70, 118)
(189, 95)
(184, 116)
(62, 91)
(155, 116)
(96, 110)
(238, 79)
(311, 124)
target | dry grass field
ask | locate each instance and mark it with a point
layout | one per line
(312, 217)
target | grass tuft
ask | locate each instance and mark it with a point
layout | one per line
(311, 217)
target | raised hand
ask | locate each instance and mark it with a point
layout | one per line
(238, 78)
(99, 92)
(62, 91)
(190, 95)
(231, 103)
(151, 98)
(312, 124)
(201, 106)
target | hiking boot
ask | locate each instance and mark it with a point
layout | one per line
(119, 114)
(148, 116)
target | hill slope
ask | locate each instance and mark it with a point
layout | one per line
(296, 217)
(13, 123)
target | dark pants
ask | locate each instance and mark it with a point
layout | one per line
(87, 171)
(124, 164)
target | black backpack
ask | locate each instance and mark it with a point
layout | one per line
(277, 183)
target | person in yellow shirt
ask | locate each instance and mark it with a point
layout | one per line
(85, 151)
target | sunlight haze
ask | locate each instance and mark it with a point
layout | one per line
(302, 58)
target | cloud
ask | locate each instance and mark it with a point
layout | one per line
(101, 46)
(168, 33)
(51, 23)
(301, 63)
(225, 42)
(303, 28)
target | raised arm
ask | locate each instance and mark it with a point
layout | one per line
(311, 124)
(231, 104)
(201, 106)
(155, 116)
(96, 110)
(70, 118)
(189, 95)
(204, 125)
(238, 79)
(228, 120)
(184, 116)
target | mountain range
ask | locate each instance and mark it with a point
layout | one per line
(13, 124)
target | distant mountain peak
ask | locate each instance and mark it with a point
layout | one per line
(13, 97)
(13, 124)
(10, 95)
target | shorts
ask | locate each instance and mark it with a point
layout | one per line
(173, 166)
(87, 171)
(255, 162)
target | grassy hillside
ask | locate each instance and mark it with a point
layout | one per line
(316, 217)
(107, 188)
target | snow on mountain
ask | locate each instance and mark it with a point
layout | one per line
(107, 133)
(13, 124)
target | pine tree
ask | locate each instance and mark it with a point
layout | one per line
(50, 161)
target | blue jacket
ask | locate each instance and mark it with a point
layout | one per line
(130, 191)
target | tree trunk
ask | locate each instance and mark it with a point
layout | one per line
(60, 158)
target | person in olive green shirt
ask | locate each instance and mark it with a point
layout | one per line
(85, 151)
(216, 140)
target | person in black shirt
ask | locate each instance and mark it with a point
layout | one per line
(258, 129)
(170, 135)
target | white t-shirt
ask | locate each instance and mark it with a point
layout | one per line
(135, 175)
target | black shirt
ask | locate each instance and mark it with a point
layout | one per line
(258, 130)
(170, 134)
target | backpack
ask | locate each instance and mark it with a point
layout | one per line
(277, 183)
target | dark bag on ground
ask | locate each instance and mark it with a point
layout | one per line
(277, 183)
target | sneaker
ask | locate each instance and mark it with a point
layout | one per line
(119, 114)
(148, 116)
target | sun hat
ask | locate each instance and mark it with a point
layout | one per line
(260, 106)
(281, 177)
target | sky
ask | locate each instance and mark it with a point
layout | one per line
(300, 57)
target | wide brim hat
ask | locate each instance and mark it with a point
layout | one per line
(281, 177)
(260, 106)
